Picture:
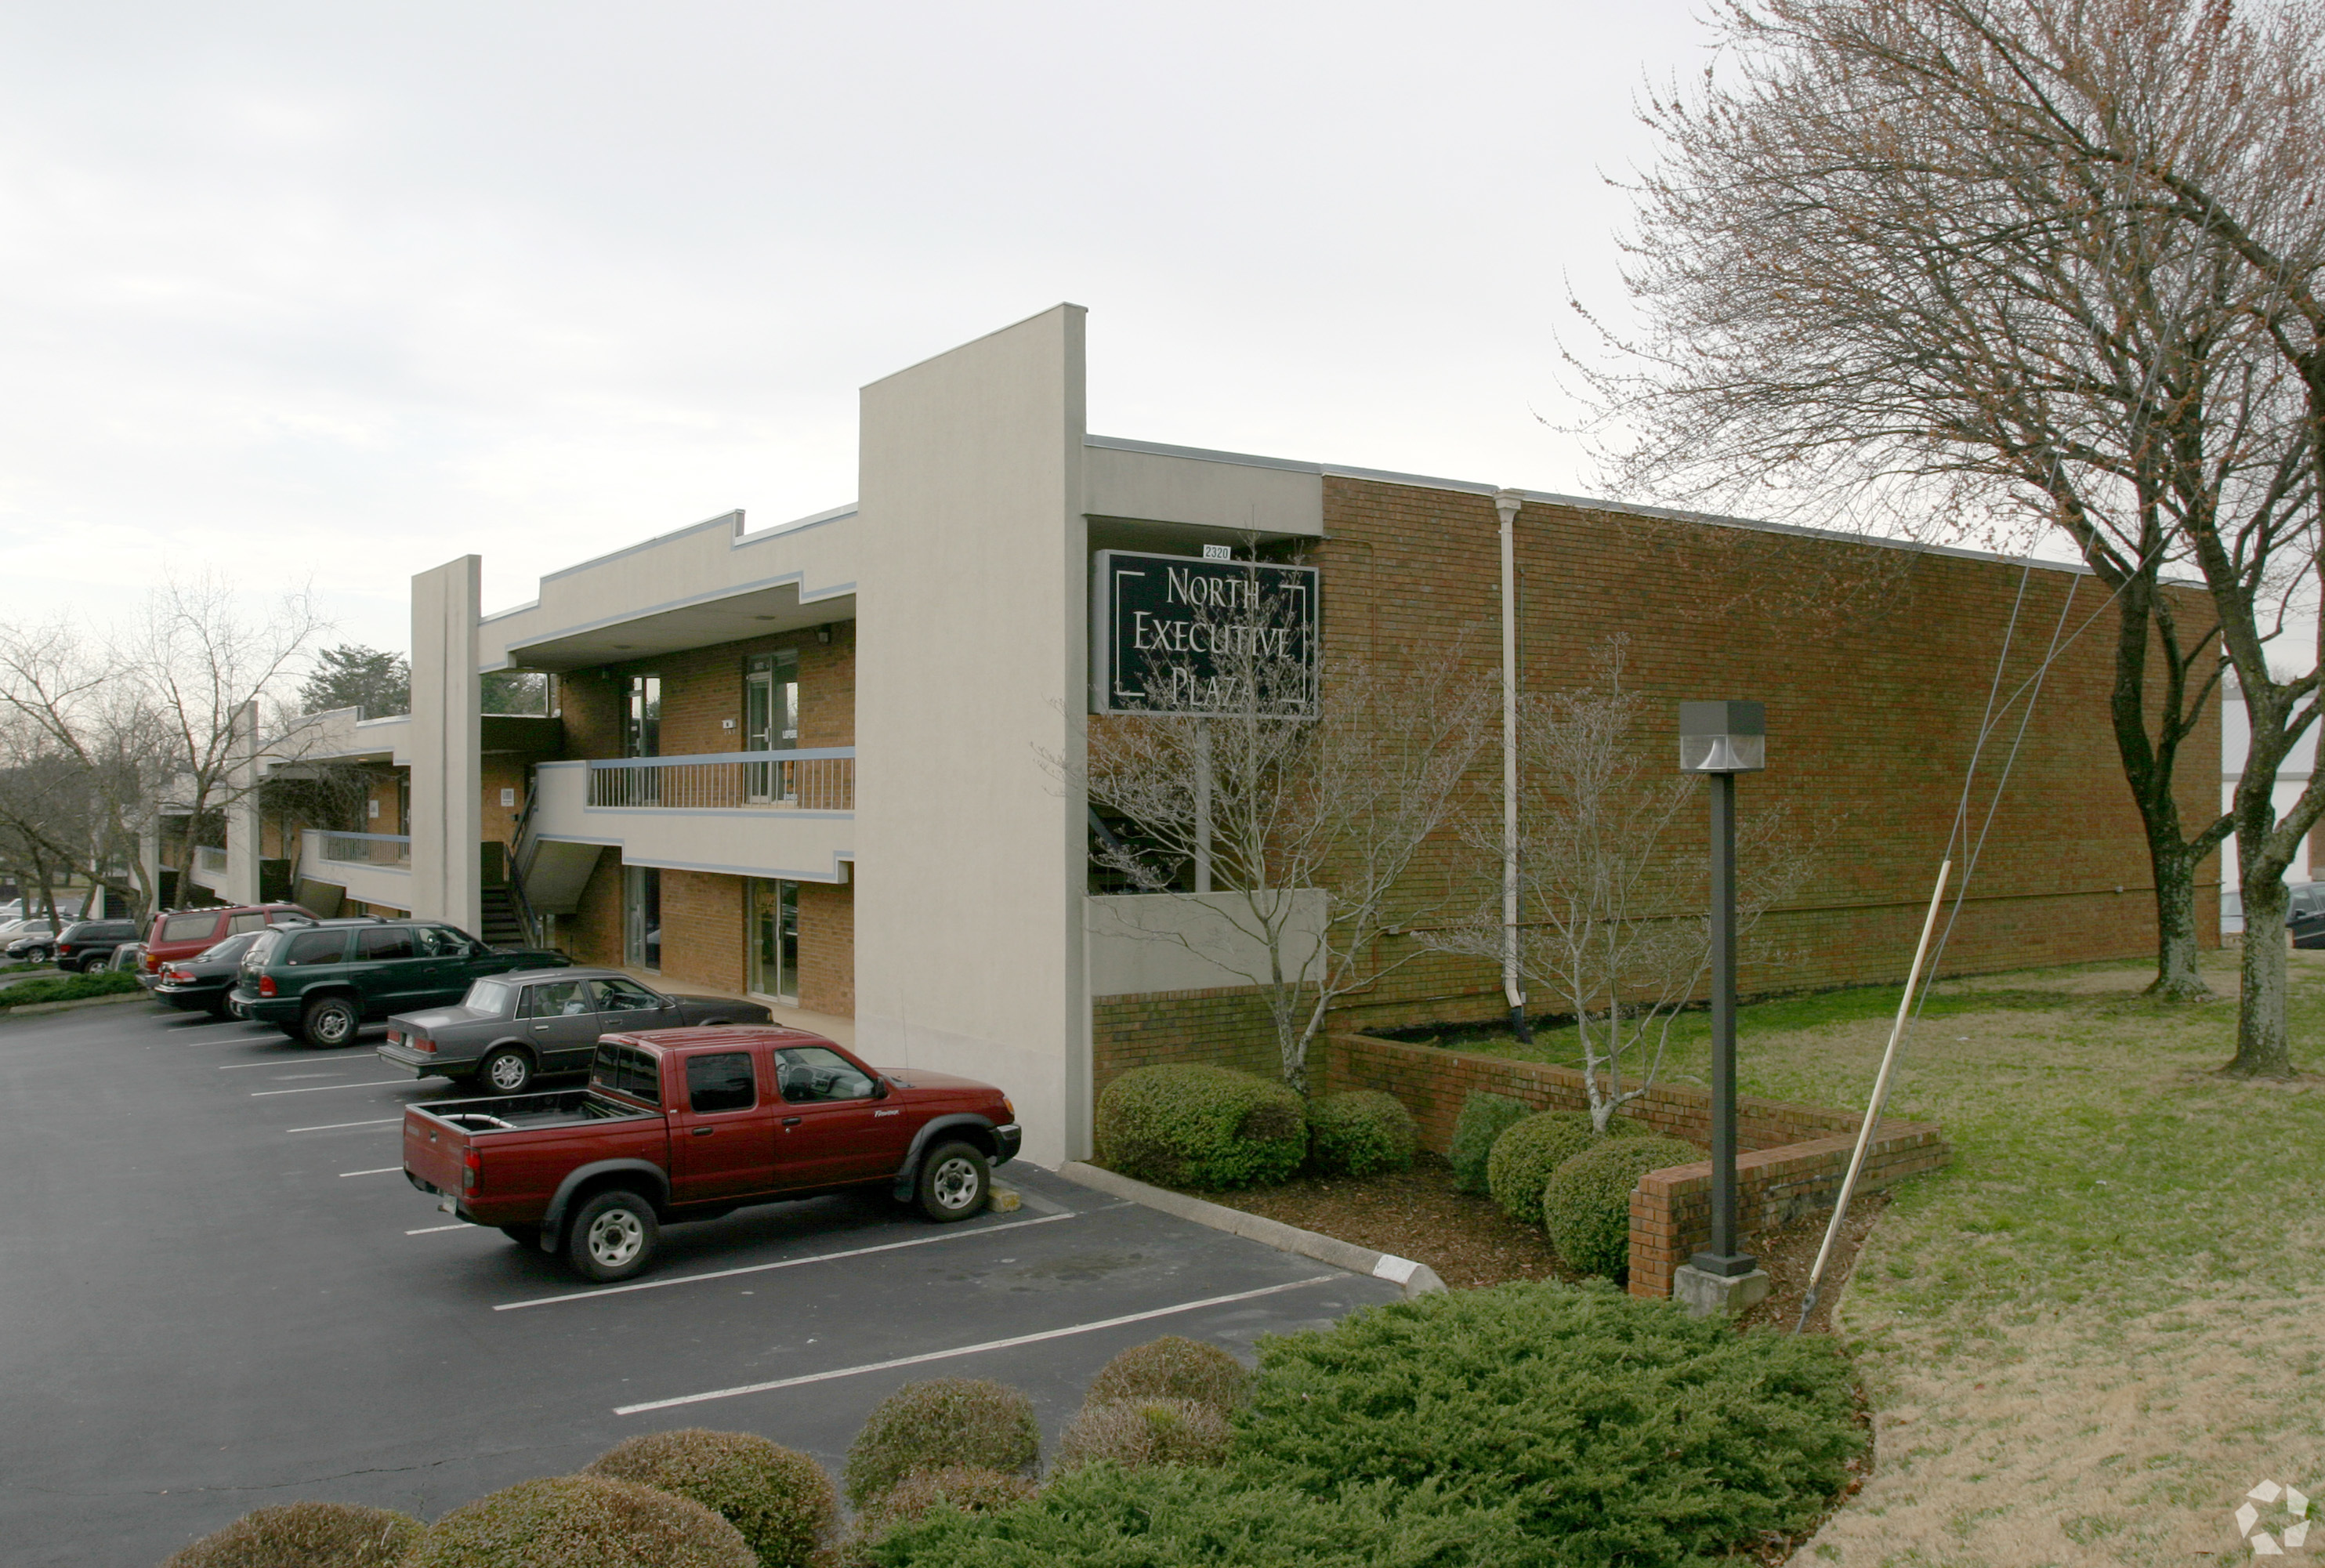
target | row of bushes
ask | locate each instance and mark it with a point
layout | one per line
(67, 987)
(1190, 1126)
(1555, 1169)
(1532, 1424)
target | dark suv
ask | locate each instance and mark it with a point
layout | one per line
(318, 983)
(88, 945)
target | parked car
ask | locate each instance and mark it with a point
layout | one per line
(33, 942)
(88, 945)
(2304, 914)
(318, 983)
(691, 1123)
(128, 959)
(510, 1029)
(202, 983)
(184, 933)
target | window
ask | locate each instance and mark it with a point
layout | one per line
(249, 920)
(641, 916)
(622, 995)
(562, 999)
(626, 1070)
(230, 951)
(383, 942)
(488, 997)
(443, 941)
(315, 947)
(642, 729)
(720, 1082)
(816, 1073)
(187, 927)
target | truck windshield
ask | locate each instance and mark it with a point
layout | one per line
(488, 997)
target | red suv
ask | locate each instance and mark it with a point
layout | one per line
(182, 934)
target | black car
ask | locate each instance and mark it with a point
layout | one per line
(2304, 914)
(513, 1026)
(199, 984)
(88, 945)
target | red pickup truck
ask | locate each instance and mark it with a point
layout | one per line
(691, 1123)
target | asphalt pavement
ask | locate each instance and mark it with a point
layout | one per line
(217, 1291)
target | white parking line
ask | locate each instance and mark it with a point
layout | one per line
(787, 1263)
(337, 1126)
(432, 1229)
(380, 1171)
(277, 1061)
(1188, 1306)
(367, 1083)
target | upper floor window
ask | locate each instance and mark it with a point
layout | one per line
(641, 732)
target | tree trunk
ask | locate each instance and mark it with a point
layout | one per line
(2263, 1050)
(2177, 976)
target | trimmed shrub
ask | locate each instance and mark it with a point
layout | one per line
(1359, 1131)
(942, 1423)
(781, 1500)
(1191, 1126)
(1172, 1368)
(1484, 1118)
(306, 1536)
(68, 988)
(1525, 1155)
(581, 1521)
(956, 1488)
(1617, 1429)
(1102, 1516)
(1586, 1205)
(1142, 1432)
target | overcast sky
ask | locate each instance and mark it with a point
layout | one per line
(335, 294)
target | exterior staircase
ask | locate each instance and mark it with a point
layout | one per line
(502, 928)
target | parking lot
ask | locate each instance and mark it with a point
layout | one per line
(216, 1291)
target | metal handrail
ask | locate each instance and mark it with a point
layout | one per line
(821, 780)
(364, 849)
(689, 759)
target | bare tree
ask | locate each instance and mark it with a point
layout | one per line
(1933, 267)
(1615, 919)
(210, 672)
(1311, 803)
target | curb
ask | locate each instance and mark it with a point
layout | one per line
(30, 1008)
(1417, 1278)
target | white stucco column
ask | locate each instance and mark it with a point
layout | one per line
(972, 625)
(447, 747)
(246, 834)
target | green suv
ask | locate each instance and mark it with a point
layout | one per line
(318, 983)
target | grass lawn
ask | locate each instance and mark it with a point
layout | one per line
(2087, 1338)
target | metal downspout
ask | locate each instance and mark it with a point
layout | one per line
(1507, 503)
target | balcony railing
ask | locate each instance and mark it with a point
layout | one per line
(209, 857)
(804, 780)
(367, 849)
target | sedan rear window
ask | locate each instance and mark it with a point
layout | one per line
(488, 997)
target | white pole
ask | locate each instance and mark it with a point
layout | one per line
(1880, 1090)
(1202, 805)
(1507, 503)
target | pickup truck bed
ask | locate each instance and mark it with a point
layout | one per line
(690, 1124)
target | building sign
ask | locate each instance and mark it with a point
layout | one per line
(1171, 634)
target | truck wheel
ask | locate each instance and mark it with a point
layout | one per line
(954, 1183)
(612, 1236)
(508, 1071)
(328, 1022)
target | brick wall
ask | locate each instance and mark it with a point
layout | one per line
(1875, 665)
(702, 915)
(702, 689)
(1790, 1162)
(1224, 1028)
(826, 948)
(502, 771)
(592, 934)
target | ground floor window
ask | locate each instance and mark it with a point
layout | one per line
(641, 916)
(774, 938)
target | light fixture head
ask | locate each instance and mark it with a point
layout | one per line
(1723, 736)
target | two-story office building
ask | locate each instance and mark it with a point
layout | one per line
(818, 761)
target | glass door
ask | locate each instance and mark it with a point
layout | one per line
(774, 938)
(771, 721)
(641, 916)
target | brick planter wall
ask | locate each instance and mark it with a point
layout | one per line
(1790, 1159)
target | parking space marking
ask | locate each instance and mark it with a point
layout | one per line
(367, 1083)
(382, 1171)
(277, 1061)
(432, 1229)
(511, 1306)
(927, 1355)
(337, 1126)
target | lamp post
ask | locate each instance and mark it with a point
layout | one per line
(1722, 740)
